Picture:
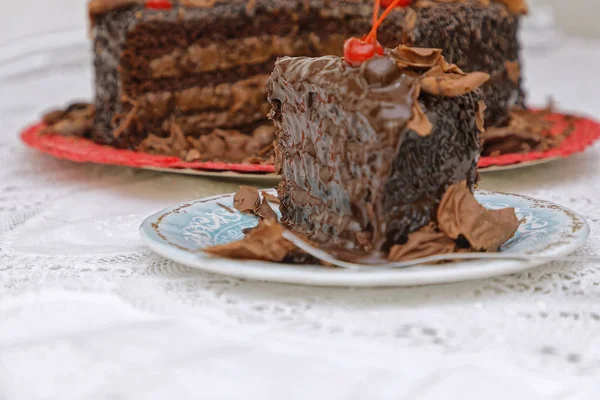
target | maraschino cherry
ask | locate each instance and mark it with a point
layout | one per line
(357, 51)
(159, 4)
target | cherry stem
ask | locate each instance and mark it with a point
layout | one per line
(373, 34)
(376, 12)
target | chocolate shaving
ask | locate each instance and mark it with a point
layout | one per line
(515, 6)
(460, 215)
(226, 208)
(76, 120)
(425, 242)
(526, 131)
(452, 84)
(419, 121)
(264, 243)
(125, 122)
(437, 76)
(513, 70)
(480, 116)
(416, 57)
(175, 144)
(271, 198)
(247, 200)
(265, 211)
(225, 145)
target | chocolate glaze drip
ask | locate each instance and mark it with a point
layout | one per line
(354, 176)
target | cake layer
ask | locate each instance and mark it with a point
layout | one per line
(365, 153)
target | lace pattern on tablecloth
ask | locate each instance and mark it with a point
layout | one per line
(88, 312)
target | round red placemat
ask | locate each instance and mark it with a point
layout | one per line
(584, 134)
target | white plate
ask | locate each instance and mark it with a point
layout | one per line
(179, 233)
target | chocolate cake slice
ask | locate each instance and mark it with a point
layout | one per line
(186, 77)
(366, 152)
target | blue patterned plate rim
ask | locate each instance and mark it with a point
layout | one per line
(179, 233)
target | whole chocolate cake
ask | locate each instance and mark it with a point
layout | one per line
(186, 77)
(366, 152)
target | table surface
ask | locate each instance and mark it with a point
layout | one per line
(87, 312)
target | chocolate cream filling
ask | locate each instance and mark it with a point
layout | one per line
(238, 52)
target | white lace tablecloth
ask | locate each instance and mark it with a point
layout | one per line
(87, 312)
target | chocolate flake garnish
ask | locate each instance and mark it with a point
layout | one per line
(419, 122)
(174, 144)
(480, 116)
(453, 84)
(265, 211)
(416, 57)
(513, 70)
(226, 208)
(76, 120)
(436, 77)
(515, 6)
(425, 242)
(462, 225)
(263, 243)
(124, 122)
(439, 77)
(460, 214)
(526, 131)
(247, 200)
(271, 198)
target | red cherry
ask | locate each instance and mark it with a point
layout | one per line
(401, 3)
(357, 51)
(159, 4)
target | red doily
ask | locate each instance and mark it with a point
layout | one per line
(82, 150)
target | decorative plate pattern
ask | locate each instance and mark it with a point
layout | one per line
(180, 233)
